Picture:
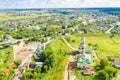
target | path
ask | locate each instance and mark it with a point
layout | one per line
(95, 55)
(67, 73)
(68, 44)
(108, 31)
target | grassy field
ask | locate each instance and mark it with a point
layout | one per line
(6, 63)
(106, 46)
(60, 51)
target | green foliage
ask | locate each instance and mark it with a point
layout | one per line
(59, 59)
(54, 59)
(103, 63)
(47, 58)
(106, 72)
(6, 63)
(102, 75)
(17, 63)
(111, 36)
(33, 74)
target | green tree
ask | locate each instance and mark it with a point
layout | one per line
(103, 63)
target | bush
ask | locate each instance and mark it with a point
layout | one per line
(73, 40)
(17, 63)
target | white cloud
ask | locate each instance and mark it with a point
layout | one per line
(63, 3)
(33, 0)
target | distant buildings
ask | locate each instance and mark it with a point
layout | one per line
(34, 27)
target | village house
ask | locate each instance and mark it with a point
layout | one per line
(117, 62)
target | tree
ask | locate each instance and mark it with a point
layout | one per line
(102, 75)
(106, 71)
(17, 63)
(27, 74)
(111, 71)
(103, 63)
(111, 36)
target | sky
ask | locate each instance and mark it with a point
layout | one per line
(58, 3)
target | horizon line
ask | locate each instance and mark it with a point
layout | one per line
(58, 8)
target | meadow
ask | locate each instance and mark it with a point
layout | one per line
(6, 63)
(106, 46)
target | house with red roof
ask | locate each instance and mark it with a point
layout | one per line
(117, 62)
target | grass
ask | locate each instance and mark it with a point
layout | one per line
(6, 54)
(60, 52)
(106, 46)
(6, 62)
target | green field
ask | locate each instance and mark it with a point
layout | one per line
(6, 63)
(106, 46)
(60, 53)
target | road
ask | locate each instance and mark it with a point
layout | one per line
(23, 65)
(11, 42)
(108, 31)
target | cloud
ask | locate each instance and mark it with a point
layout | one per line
(58, 3)
(33, 0)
